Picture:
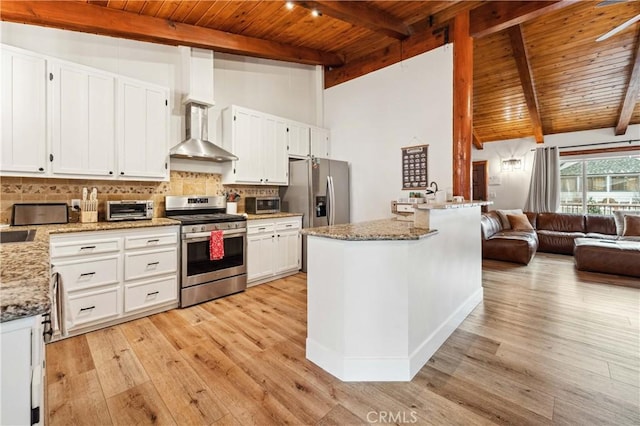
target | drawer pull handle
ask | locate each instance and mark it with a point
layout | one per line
(289, 226)
(153, 263)
(261, 229)
(153, 293)
(87, 247)
(153, 241)
(87, 309)
(87, 274)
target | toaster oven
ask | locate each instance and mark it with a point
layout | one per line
(129, 210)
(262, 205)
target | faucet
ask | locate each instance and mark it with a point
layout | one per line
(434, 184)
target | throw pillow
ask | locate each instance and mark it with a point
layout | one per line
(618, 216)
(503, 216)
(519, 222)
(631, 226)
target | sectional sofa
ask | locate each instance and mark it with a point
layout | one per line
(594, 240)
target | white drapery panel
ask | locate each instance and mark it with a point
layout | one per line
(544, 189)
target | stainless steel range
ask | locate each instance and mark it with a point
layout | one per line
(202, 278)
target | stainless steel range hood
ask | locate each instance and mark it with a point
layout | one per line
(196, 146)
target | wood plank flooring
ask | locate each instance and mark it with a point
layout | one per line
(548, 345)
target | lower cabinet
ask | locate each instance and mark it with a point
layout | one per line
(107, 277)
(274, 248)
(23, 372)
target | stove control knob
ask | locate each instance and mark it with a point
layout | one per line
(202, 229)
(194, 229)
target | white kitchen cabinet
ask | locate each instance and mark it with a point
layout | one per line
(143, 123)
(108, 277)
(82, 113)
(23, 371)
(298, 135)
(24, 120)
(274, 149)
(319, 142)
(274, 248)
(259, 141)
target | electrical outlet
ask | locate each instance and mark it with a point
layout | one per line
(75, 204)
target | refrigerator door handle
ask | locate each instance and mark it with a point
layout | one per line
(329, 206)
(332, 195)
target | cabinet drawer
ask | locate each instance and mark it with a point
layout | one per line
(87, 273)
(75, 248)
(150, 263)
(287, 226)
(150, 293)
(92, 306)
(150, 240)
(259, 229)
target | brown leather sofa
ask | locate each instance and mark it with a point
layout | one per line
(591, 238)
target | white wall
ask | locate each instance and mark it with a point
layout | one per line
(281, 88)
(373, 116)
(510, 189)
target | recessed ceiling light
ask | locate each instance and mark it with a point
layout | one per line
(289, 5)
(315, 13)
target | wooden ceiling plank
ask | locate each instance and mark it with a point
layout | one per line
(526, 78)
(631, 94)
(103, 20)
(495, 16)
(361, 15)
(476, 140)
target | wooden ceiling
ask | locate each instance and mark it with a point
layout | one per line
(537, 67)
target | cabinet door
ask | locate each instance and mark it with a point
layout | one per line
(143, 130)
(23, 94)
(274, 151)
(247, 146)
(260, 249)
(319, 142)
(287, 257)
(298, 139)
(82, 120)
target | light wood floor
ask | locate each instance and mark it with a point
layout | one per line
(547, 345)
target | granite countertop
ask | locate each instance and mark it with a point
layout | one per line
(451, 205)
(25, 270)
(271, 215)
(375, 230)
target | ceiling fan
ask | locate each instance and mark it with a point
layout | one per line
(620, 27)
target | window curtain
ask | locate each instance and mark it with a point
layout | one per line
(544, 189)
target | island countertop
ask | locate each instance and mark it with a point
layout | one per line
(25, 270)
(375, 230)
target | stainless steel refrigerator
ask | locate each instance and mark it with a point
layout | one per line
(319, 189)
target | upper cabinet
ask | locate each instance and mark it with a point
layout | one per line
(319, 142)
(82, 120)
(260, 142)
(62, 119)
(24, 120)
(143, 123)
(298, 139)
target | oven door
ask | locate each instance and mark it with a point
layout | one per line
(197, 268)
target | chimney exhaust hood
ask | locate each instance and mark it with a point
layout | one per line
(196, 146)
(197, 74)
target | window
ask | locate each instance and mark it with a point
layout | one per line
(610, 184)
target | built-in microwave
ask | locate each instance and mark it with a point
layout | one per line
(129, 210)
(262, 205)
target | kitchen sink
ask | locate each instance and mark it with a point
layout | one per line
(17, 236)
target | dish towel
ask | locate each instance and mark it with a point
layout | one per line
(216, 245)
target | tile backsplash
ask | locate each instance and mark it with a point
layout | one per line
(40, 190)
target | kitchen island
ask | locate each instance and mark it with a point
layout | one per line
(383, 296)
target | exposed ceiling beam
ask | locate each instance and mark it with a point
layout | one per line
(421, 41)
(631, 95)
(526, 79)
(361, 15)
(494, 16)
(83, 17)
(476, 140)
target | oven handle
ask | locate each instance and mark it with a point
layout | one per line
(227, 233)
